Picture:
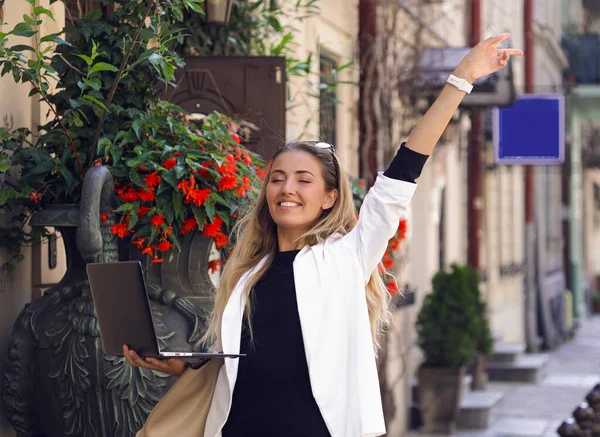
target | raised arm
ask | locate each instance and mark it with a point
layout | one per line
(484, 59)
(389, 197)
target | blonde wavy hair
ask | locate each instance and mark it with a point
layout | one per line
(256, 239)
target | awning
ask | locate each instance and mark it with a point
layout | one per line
(436, 64)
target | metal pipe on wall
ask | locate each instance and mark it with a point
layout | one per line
(531, 314)
(474, 161)
(367, 34)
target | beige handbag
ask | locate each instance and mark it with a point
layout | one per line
(182, 411)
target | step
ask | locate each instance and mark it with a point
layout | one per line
(525, 368)
(476, 409)
(506, 351)
(466, 388)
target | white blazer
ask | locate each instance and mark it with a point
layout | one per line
(330, 281)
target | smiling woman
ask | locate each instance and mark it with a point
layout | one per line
(301, 295)
(297, 192)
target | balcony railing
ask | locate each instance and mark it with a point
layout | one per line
(583, 52)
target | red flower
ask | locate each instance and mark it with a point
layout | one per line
(156, 260)
(392, 288)
(234, 214)
(227, 182)
(198, 197)
(220, 240)
(169, 163)
(361, 183)
(245, 186)
(187, 185)
(186, 118)
(247, 159)
(168, 231)
(214, 265)
(157, 220)
(143, 168)
(128, 195)
(139, 242)
(145, 195)
(148, 250)
(241, 191)
(177, 153)
(231, 159)
(152, 180)
(236, 138)
(388, 261)
(394, 243)
(204, 173)
(189, 225)
(143, 210)
(402, 228)
(227, 169)
(263, 172)
(214, 228)
(104, 217)
(120, 230)
(163, 246)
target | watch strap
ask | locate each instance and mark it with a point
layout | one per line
(459, 83)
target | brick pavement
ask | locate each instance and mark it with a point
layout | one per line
(536, 410)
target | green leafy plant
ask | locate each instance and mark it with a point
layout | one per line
(447, 324)
(256, 29)
(171, 180)
(106, 111)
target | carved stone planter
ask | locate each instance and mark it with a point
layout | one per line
(58, 381)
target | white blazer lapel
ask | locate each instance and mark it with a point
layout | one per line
(231, 326)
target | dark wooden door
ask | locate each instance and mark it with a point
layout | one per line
(245, 88)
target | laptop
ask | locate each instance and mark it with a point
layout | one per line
(124, 315)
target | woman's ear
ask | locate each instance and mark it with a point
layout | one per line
(330, 199)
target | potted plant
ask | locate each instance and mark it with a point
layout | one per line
(122, 175)
(447, 330)
(106, 113)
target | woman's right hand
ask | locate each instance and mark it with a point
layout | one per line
(171, 366)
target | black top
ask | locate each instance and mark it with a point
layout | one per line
(272, 395)
(406, 165)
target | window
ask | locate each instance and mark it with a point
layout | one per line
(327, 99)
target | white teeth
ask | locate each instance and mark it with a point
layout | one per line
(288, 204)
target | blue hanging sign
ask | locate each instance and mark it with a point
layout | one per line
(531, 131)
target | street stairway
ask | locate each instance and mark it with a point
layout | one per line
(529, 395)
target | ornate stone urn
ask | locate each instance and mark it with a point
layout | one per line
(58, 381)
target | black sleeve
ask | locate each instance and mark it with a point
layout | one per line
(407, 165)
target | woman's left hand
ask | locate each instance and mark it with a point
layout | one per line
(485, 58)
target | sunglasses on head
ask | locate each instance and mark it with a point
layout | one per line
(322, 145)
